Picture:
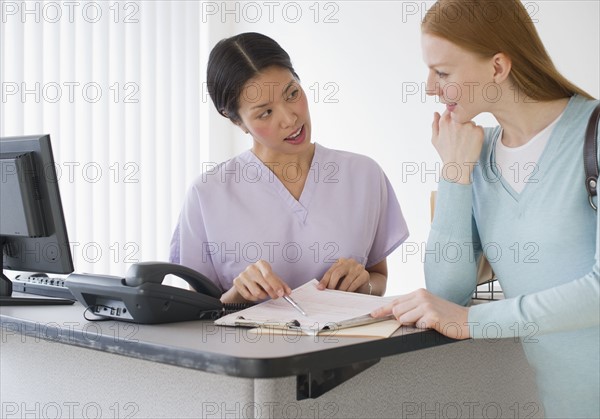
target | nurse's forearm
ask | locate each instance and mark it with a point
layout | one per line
(378, 283)
(377, 278)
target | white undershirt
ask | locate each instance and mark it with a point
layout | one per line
(518, 165)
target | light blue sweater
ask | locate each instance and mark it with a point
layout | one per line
(544, 246)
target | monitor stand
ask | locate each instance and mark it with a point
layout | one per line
(7, 299)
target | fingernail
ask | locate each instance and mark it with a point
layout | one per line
(280, 293)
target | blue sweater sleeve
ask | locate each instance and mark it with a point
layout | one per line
(570, 306)
(453, 247)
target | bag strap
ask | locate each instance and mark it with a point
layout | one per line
(590, 156)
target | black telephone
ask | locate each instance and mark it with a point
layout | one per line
(141, 297)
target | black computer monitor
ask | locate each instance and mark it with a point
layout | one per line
(33, 234)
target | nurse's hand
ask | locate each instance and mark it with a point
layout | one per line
(257, 282)
(427, 311)
(459, 146)
(345, 275)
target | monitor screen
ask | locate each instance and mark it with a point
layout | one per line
(33, 234)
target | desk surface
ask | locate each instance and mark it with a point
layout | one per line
(204, 346)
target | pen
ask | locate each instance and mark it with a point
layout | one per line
(294, 304)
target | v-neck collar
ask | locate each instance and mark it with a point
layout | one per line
(541, 165)
(298, 206)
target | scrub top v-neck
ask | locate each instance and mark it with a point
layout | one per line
(291, 173)
(239, 213)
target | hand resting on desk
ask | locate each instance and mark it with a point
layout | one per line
(345, 275)
(425, 310)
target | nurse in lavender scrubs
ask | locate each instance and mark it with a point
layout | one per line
(287, 210)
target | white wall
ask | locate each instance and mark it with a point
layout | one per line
(371, 59)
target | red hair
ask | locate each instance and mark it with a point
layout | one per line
(487, 27)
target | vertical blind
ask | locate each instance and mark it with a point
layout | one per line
(117, 85)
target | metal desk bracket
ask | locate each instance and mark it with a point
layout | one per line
(317, 383)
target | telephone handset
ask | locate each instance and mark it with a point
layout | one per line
(141, 297)
(155, 272)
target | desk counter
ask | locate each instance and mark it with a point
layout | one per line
(55, 363)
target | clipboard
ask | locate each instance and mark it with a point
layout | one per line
(327, 310)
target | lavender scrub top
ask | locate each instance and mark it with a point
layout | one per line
(239, 212)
